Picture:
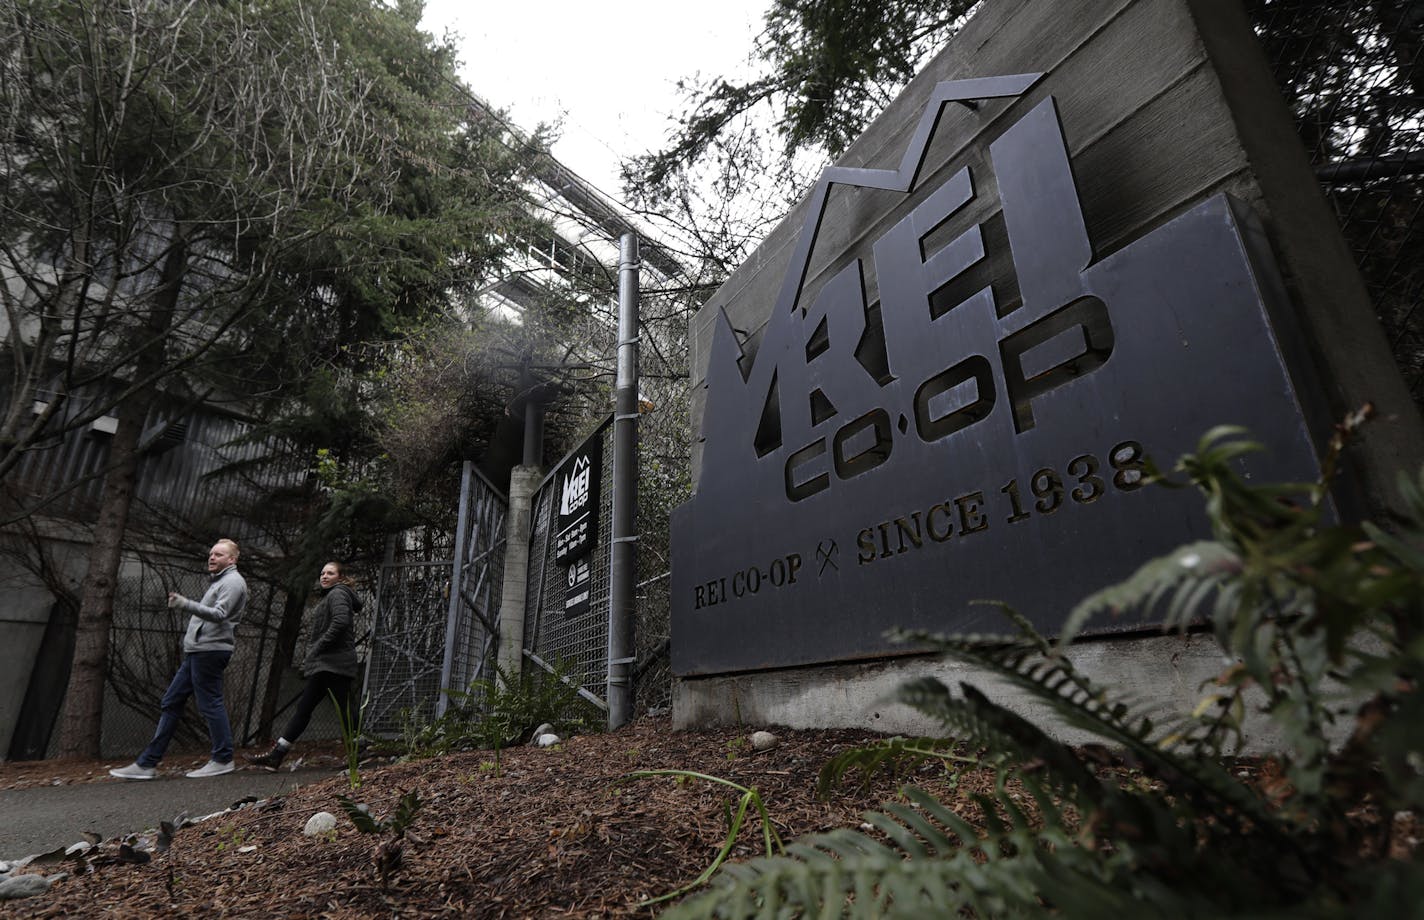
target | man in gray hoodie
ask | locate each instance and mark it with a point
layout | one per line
(207, 647)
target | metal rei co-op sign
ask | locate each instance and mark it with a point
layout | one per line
(986, 449)
(576, 524)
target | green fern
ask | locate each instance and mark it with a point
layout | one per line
(1078, 702)
(494, 713)
(1177, 585)
(851, 874)
(407, 807)
(1319, 622)
(895, 755)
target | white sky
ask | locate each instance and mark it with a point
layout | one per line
(608, 71)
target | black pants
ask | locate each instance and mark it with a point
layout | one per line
(320, 686)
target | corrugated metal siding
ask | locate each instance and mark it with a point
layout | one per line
(175, 480)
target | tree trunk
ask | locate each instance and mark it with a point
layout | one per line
(83, 715)
(82, 719)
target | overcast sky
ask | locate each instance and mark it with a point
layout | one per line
(608, 70)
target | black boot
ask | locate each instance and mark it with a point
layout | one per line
(270, 760)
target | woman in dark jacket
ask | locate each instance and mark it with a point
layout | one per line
(330, 665)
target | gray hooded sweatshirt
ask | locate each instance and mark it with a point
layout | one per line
(210, 628)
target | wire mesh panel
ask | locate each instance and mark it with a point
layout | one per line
(1352, 74)
(476, 626)
(423, 641)
(407, 645)
(578, 644)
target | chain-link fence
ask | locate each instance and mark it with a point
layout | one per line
(1352, 75)
(407, 646)
(422, 642)
(652, 675)
(413, 629)
(578, 644)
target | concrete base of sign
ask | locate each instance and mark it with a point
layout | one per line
(1161, 674)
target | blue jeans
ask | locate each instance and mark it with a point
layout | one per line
(200, 675)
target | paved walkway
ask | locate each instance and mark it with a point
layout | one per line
(41, 818)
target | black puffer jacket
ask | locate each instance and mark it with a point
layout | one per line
(333, 645)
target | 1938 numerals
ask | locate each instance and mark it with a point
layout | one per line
(1046, 491)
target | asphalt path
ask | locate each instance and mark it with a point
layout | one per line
(41, 818)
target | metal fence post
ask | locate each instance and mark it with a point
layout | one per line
(625, 485)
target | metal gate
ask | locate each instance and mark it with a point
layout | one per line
(436, 625)
(579, 644)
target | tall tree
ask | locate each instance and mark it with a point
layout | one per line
(743, 151)
(195, 196)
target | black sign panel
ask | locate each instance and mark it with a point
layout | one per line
(576, 524)
(885, 461)
(577, 589)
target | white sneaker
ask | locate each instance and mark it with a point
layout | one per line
(133, 771)
(211, 768)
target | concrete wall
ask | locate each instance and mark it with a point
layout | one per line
(1163, 103)
(23, 614)
(25, 605)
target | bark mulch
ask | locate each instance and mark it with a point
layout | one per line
(559, 832)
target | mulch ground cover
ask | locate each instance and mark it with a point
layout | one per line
(559, 832)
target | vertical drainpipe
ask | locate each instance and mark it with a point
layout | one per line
(534, 429)
(624, 528)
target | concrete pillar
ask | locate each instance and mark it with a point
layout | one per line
(522, 482)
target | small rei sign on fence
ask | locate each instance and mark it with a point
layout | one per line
(576, 524)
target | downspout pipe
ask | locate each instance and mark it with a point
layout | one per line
(622, 557)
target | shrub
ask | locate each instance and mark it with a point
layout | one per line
(496, 713)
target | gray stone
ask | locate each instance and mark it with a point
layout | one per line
(323, 822)
(23, 886)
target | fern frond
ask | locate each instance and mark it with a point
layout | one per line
(1404, 552)
(896, 755)
(360, 816)
(1080, 704)
(1243, 514)
(1185, 576)
(974, 718)
(1026, 632)
(846, 873)
(952, 871)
